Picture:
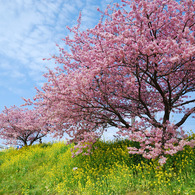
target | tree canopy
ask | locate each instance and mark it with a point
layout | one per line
(22, 125)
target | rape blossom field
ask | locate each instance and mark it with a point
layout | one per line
(50, 169)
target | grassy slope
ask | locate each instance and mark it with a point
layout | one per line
(48, 169)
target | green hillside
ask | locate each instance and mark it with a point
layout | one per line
(50, 169)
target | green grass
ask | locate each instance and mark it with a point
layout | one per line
(48, 169)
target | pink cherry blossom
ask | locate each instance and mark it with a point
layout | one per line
(136, 62)
(22, 125)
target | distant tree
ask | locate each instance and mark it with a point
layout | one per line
(136, 62)
(21, 126)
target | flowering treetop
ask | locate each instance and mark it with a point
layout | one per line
(22, 125)
(136, 62)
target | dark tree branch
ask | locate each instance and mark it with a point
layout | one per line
(187, 102)
(185, 117)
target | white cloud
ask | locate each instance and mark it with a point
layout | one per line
(28, 31)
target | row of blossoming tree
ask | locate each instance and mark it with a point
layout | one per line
(137, 62)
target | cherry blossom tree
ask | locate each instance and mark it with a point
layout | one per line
(138, 61)
(21, 126)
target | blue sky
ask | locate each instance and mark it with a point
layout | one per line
(29, 31)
